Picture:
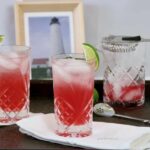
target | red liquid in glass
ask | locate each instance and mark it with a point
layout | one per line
(73, 92)
(14, 85)
(130, 94)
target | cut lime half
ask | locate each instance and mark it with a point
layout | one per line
(1, 38)
(91, 55)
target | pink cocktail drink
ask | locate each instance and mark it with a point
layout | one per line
(73, 81)
(14, 87)
(129, 96)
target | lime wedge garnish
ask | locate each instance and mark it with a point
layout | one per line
(1, 38)
(91, 54)
(96, 96)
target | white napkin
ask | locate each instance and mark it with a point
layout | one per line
(104, 136)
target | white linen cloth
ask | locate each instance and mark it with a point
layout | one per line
(104, 136)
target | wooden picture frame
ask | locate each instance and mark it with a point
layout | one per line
(75, 6)
(43, 6)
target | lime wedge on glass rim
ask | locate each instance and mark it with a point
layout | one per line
(91, 55)
(1, 38)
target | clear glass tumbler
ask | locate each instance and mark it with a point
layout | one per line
(124, 76)
(14, 83)
(73, 83)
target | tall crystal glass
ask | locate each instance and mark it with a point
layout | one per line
(73, 82)
(14, 83)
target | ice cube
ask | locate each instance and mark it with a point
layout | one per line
(24, 65)
(60, 62)
(7, 63)
(129, 96)
(72, 72)
(120, 76)
(60, 74)
(77, 67)
(15, 57)
(117, 91)
(12, 54)
(125, 80)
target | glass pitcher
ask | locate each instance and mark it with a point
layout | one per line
(124, 75)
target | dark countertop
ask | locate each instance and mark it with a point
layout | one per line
(11, 138)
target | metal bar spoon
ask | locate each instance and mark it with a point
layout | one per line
(103, 109)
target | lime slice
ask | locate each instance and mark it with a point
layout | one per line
(96, 96)
(91, 55)
(1, 38)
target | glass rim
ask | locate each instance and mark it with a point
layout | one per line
(69, 55)
(73, 56)
(81, 56)
(13, 45)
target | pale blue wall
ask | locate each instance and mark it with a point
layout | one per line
(102, 17)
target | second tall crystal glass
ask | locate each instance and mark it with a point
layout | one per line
(73, 81)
